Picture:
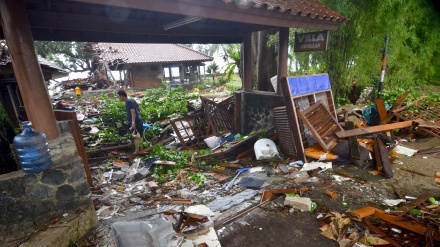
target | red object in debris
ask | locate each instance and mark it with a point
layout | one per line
(62, 104)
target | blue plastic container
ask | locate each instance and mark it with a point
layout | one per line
(32, 150)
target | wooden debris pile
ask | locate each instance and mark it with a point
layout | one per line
(309, 126)
(96, 81)
(413, 224)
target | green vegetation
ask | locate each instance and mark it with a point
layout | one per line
(159, 103)
(163, 173)
(354, 53)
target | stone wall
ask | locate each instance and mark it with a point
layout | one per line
(257, 111)
(28, 201)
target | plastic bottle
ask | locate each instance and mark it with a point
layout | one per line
(32, 150)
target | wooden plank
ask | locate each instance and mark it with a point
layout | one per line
(395, 220)
(364, 212)
(380, 105)
(77, 136)
(325, 139)
(377, 155)
(355, 153)
(405, 208)
(427, 125)
(375, 129)
(387, 170)
(395, 106)
(377, 230)
(293, 120)
(110, 148)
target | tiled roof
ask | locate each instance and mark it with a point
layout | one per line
(49, 64)
(5, 58)
(311, 8)
(149, 53)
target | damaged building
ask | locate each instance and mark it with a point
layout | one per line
(284, 168)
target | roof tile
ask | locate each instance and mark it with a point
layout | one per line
(149, 53)
(311, 8)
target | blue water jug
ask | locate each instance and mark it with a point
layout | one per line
(32, 150)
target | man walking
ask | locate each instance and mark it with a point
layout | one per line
(133, 116)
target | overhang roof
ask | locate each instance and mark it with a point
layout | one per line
(142, 21)
(131, 53)
(5, 59)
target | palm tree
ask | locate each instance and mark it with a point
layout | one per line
(213, 69)
(232, 52)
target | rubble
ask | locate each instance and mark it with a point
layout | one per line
(179, 169)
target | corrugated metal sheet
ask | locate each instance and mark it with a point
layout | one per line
(311, 8)
(149, 53)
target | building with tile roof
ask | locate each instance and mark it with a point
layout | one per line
(149, 65)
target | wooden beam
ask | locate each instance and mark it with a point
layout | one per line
(355, 153)
(380, 105)
(27, 68)
(214, 9)
(425, 124)
(381, 154)
(77, 136)
(379, 166)
(395, 220)
(293, 120)
(395, 106)
(94, 23)
(247, 63)
(375, 129)
(377, 230)
(283, 53)
(405, 208)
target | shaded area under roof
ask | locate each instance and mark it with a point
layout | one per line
(222, 21)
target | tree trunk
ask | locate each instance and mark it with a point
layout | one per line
(264, 60)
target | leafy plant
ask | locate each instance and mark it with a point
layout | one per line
(198, 178)
(113, 110)
(167, 172)
(232, 52)
(160, 103)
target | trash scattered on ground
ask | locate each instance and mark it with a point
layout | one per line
(191, 160)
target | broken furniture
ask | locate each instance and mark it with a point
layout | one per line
(185, 219)
(220, 114)
(213, 119)
(192, 130)
(300, 93)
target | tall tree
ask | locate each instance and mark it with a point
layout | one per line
(355, 50)
(73, 56)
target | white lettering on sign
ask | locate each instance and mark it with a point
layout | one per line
(311, 37)
(308, 46)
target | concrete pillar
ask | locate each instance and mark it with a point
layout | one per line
(27, 68)
(283, 53)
